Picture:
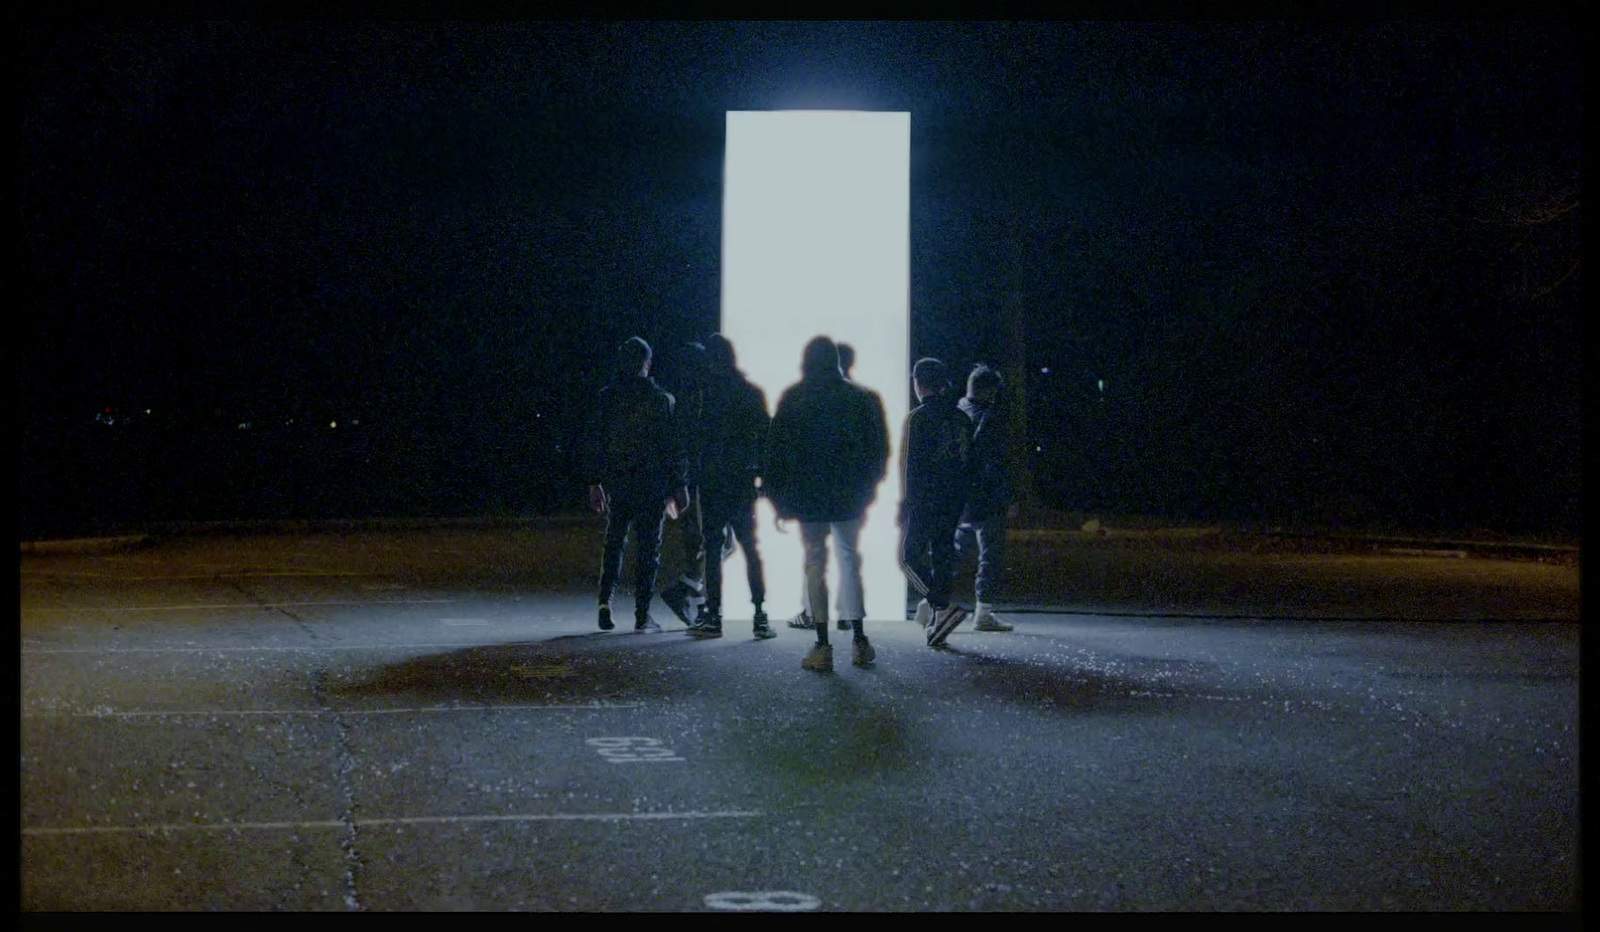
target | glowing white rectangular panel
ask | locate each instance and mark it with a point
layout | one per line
(816, 239)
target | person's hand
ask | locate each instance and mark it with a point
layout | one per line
(678, 503)
(597, 500)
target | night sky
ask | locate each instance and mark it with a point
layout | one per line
(1312, 263)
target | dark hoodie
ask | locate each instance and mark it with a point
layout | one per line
(990, 492)
(731, 434)
(828, 448)
(934, 454)
(634, 443)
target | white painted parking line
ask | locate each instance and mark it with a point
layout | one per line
(185, 608)
(408, 820)
(109, 713)
(780, 901)
(633, 750)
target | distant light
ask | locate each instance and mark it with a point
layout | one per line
(244, 425)
(1038, 449)
(1045, 370)
(147, 410)
(333, 423)
(355, 422)
(1101, 383)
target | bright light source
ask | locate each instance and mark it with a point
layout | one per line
(816, 239)
(1101, 383)
(333, 423)
(1045, 370)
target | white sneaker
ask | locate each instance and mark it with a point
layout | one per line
(924, 613)
(984, 619)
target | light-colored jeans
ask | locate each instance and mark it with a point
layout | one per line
(846, 534)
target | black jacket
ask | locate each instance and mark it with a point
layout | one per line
(934, 455)
(731, 436)
(828, 449)
(990, 491)
(634, 444)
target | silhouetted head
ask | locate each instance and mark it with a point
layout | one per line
(633, 357)
(984, 384)
(821, 357)
(847, 358)
(930, 377)
(719, 353)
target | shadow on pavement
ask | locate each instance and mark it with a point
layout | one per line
(561, 672)
(1067, 685)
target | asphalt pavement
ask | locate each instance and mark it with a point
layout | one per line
(428, 719)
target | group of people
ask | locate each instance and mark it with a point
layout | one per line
(704, 455)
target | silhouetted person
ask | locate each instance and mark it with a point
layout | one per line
(687, 592)
(933, 467)
(733, 438)
(827, 452)
(803, 620)
(637, 469)
(989, 494)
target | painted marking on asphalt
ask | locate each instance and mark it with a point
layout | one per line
(407, 820)
(633, 750)
(781, 901)
(109, 713)
(184, 608)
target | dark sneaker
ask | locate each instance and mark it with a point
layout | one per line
(678, 598)
(646, 625)
(761, 617)
(605, 618)
(803, 621)
(820, 659)
(708, 626)
(945, 621)
(763, 630)
(842, 625)
(861, 653)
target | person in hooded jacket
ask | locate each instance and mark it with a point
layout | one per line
(803, 620)
(827, 451)
(732, 443)
(637, 469)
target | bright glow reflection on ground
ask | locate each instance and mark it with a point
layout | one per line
(816, 240)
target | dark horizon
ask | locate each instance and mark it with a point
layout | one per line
(1313, 264)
